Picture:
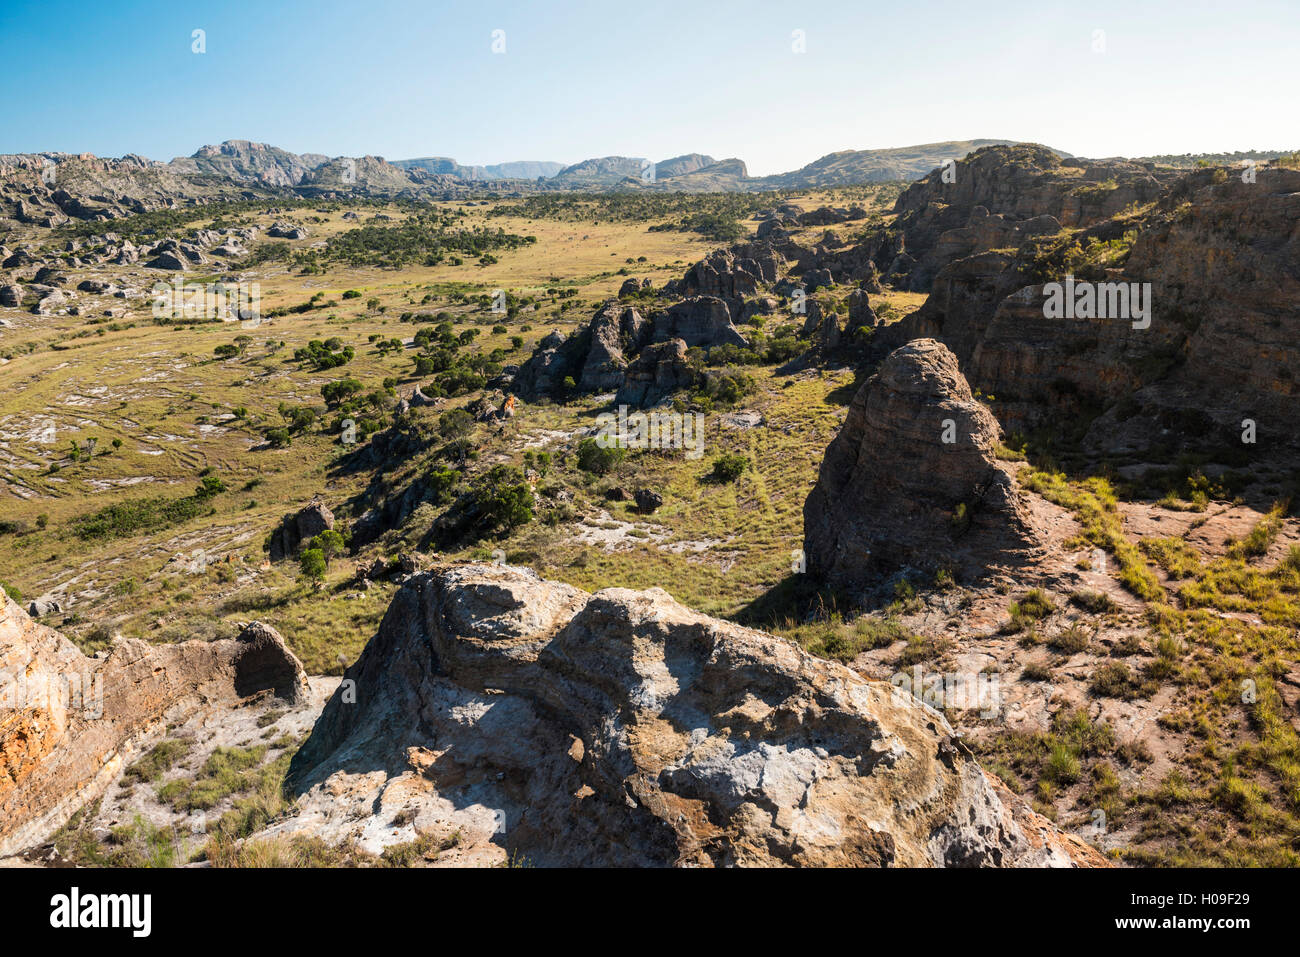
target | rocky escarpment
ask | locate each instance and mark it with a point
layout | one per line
(69, 723)
(996, 191)
(534, 720)
(912, 479)
(1215, 260)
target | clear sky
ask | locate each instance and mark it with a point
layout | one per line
(652, 78)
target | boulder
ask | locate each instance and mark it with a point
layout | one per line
(912, 479)
(698, 321)
(283, 230)
(297, 528)
(98, 287)
(539, 722)
(732, 273)
(647, 501)
(168, 260)
(11, 296)
(861, 315)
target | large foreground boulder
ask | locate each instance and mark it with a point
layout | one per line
(69, 723)
(531, 719)
(913, 479)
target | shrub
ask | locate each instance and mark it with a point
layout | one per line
(313, 564)
(1036, 671)
(1062, 765)
(455, 424)
(335, 392)
(1034, 606)
(1115, 680)
(329, 543)
(1093, 601)
(728, 467)
(209, 486)
(1070, 640)
(504, 500)
(598, 460)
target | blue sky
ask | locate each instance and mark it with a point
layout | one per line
(656, 78)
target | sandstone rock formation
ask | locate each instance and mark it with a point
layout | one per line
(912, 479)
(622, 729)
(69, 724)
(614, 331)
(622, 350)
(1218, 345)
(731, 273)
(658, 372)
(297, 528)
(997, 188)
(698, 321)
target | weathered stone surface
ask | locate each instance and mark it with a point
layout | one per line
(659, 371)
(283, 230)
(168, 260)
(297, 528)
(732, 273)
(1219, 347)
(861, 315)
(893, 492)
(622, 729)
(1020, 186)
(699, 321)
(648, 500)
(69, 724)
(614, 330)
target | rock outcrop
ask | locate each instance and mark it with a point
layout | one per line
(732, 273)
(69, 723)
(1217, 345)
(297, 528)
(622, 729)
(624, 351)
(912, 479)
(658, 372)
(615, 331)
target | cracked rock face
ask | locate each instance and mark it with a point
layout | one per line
(69, 724)
(912, 478)
(531, 719)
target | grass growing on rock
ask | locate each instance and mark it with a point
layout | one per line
(1096, 507)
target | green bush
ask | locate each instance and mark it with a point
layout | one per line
(313, 564)
(729, 467)
(503, 499)
(598, 460)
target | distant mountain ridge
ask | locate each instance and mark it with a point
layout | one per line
(520, 169)
(690, 172)
(49, 188)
